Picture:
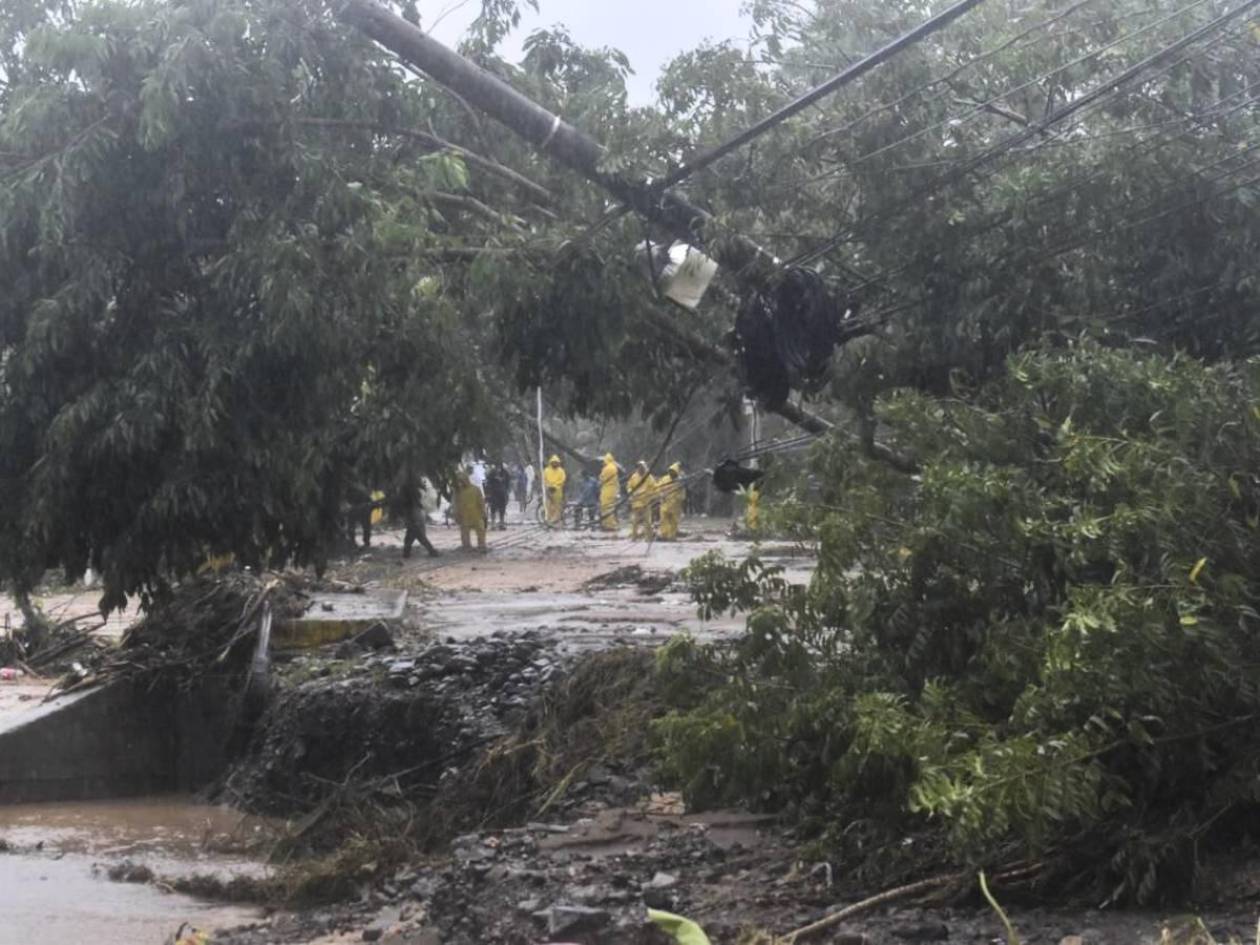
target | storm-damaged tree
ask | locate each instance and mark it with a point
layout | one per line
(213, 318)
(246, 268)
(1038, 646)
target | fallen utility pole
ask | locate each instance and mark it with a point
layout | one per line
(553, 136)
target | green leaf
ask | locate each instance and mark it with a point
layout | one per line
(683, 931)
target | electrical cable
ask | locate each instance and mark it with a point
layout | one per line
(1011, 141)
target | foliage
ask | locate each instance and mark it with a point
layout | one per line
(1044, 642)
(215, 317)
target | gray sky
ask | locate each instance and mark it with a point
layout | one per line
(650, 32)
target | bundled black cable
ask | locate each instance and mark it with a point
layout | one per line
(785, 334)
(730, 476)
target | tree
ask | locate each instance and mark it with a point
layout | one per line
(1039, 647)
(216, 315)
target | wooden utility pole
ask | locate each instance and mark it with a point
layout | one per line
(743, 258)
(555, 137)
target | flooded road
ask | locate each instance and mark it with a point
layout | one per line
(53, 887)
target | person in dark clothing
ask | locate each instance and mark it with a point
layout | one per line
(411, 509)
(521, 483)
(498, 489)
(588, 500)
(359, 513)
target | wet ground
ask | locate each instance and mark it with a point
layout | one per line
(53, 881)
(539, 579)
(53, 885)
(582, 876)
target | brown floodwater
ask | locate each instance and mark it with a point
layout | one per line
(53, 887)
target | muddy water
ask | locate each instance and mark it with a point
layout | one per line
(53, 887)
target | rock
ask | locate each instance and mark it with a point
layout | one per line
(373, 933)
(590, 893)
(128, 872)
(375, 637)
(401, 667)
(565, 919)
(662, 881)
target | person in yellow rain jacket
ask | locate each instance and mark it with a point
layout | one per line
(672, 494)
(752, 514)
(642, 490)
(470, 511)
(609, 493)
(553, 489)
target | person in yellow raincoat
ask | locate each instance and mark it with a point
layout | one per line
(553, 489)
(609, 493)
(642, 490)
(752, 514)
(470, 511)
(672, 493)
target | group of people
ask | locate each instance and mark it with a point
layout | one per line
(480, 494)
(656, 503)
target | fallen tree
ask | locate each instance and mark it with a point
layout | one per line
(1043, 646)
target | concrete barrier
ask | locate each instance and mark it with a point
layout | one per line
(122, 739)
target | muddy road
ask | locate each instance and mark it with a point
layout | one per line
(550, 581)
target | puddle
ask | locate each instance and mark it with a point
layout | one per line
(50, 892)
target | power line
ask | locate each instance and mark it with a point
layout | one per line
(1014, 140)
(851, 73)
(1089, 234)
(953, 74)
(982, 107)
(1132, 153)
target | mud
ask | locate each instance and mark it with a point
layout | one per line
(590, 881)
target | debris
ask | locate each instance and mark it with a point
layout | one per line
(665, 804)
(129, 872)
(632, 575)
(564, 919)
(187, 935)
(786, 334)
(10, 674)
(730, 476)
(375, 637)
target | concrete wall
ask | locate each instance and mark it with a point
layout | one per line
(119, 740)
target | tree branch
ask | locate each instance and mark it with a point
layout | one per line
(875, 450)
(438, 144)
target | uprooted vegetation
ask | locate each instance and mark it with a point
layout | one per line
(396, 761)
(1041, 649)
